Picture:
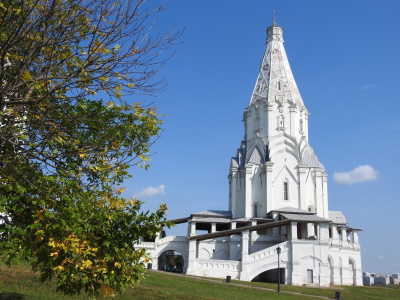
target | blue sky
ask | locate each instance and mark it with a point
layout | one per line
(345, 57)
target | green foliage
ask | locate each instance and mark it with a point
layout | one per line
(68, 70)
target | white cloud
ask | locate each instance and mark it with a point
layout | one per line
(150, 191)
(381, 257)
(357, 175)
(367, 87)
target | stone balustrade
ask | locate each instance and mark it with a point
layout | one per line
(268, 252)
(218, 264)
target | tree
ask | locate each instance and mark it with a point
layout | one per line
(69, 132)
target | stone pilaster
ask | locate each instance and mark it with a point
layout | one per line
(303, 187)
(269, 189)
(293, 121)
(355, 236)
(192, 228)
(275, 230)
(248, 196)
(269, 110)
(233, 225)
(335, 236)
(325, 195)
(324, 232)
(343, 231)
(213, 227)
(245, 255)
(253, 234)
(296, 267)
(191, 270)
(293, 230)
(233, 192)
(306, 126)
(319, 207)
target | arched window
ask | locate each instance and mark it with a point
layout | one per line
(281, 122)
(286, 190)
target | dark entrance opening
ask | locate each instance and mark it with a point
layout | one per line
(270, 276)
(171, 261)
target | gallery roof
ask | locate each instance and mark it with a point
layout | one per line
(337, 217)
(214, 213)
(293, 210)
(304, 218)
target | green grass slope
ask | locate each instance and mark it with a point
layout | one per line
(20, 283)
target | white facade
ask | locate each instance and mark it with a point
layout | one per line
(274, 162)
(278, 197)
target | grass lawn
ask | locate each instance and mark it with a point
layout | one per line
(20, 283)
(347, 292)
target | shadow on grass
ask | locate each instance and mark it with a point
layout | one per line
(11, 296)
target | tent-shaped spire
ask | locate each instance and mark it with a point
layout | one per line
(275, 80)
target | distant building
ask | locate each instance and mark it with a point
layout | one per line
(382, 280)
(368, 278)
(395, 280)
(278, 222)
(373, 278)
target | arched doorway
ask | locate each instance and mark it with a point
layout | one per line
(171, 261)
(270, 276)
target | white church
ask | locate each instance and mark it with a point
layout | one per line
(278, 224)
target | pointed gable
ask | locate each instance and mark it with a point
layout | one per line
(256, 157)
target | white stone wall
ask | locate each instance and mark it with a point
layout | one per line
(214, 249)
(263, 185)
(343, 271)
(331, 261)
(218, 268)
(310, 255)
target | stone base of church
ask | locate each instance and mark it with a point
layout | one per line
(301, 262)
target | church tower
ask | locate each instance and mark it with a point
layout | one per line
(275, 167)
(278, 222)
